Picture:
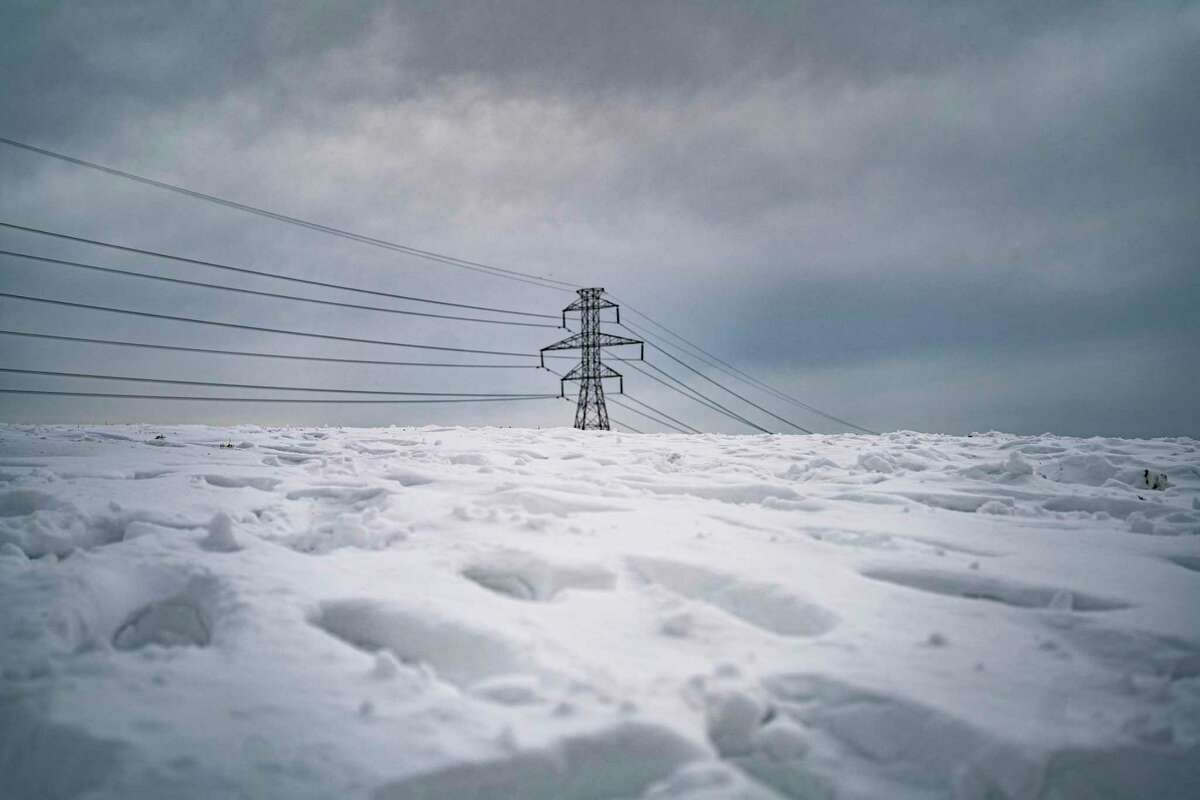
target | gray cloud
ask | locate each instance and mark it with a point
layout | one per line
(815, 190)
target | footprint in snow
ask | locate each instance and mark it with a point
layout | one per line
(767, 606)
(524, 576)
(974, 586)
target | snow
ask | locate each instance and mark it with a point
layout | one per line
(501, 613)
(220, 534)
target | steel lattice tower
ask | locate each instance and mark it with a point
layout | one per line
(590, 412)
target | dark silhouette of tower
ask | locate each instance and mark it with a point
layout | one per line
(590, 413)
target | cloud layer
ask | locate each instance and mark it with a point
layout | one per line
(944, 216)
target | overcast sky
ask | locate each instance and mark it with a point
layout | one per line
(938, 216)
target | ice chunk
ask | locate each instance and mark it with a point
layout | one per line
(732, 716)
(220, 536)
(875, 462)
(1016, 465)
(781, 740)
(171, 623)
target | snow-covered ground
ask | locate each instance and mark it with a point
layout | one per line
(497, 613)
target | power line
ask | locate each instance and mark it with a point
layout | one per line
(273, 400)
(694, 395)
(265, 274)
(624, 425)
(647, 416)
(476, 266)
(217, 351)
(743, 377)
(687, 391)
(743, 398)
(258, 293)
(661, 413)
(349, 305)
(537, 280)
(724, 366)
(634, 410)
(241, 326)
(177, 382)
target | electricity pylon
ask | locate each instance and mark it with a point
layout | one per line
(590, 413)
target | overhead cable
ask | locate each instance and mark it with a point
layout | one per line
(286, 356)
(276, 275)
(624, 425)
(686, 390)
(635, 411)
(631, 409)
(273, 400)
(475, 266)
(694, 395)
(484, 268)
(729, 369)
(661, 413)
(263, 329)
(741, 397)
(258, 293)
(488, 269)
(179, 382)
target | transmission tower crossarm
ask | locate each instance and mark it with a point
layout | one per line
(572, 342)
(576, 373)
(598, 303)
(576, 341)
(581, 340)
(580, 305)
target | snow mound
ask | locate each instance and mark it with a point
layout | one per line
(1089, 469)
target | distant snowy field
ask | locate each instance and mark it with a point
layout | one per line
(495, 613)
